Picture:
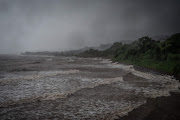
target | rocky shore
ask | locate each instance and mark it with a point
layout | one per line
(153, 71)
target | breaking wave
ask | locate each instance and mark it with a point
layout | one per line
(41, 74)
(51, 85)
(85, 83)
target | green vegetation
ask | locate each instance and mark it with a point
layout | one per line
(163, 56)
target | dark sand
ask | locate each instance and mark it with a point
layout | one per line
(161, 108)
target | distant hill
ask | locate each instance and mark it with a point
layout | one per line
(161, 37)
(126, 41)
(103, 47)
(69, 52)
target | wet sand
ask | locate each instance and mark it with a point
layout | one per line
(161, 108)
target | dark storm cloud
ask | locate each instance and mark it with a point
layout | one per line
(36, 25)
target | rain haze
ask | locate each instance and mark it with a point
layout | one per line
(89, 59)
(58, 25)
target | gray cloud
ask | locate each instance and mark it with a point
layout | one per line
(56, 25)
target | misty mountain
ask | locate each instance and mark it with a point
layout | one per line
(160, 37)
(100, 48)
(70, 52)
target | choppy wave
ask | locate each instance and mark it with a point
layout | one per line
(42, 74)
(88, 83)
(53, 85)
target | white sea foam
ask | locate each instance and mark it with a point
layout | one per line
(48, 59)
(61, 90)
(51, 85)
(168, 82)
(42, 74)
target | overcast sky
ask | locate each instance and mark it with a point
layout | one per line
(56, 25)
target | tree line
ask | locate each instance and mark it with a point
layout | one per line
(146, 52)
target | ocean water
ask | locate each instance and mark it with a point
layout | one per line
(49, 87)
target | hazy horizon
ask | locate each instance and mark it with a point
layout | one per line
(58, 25)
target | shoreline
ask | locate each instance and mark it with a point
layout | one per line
(119, 98)
(153, 71)
(158, 108)
(140, 68)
